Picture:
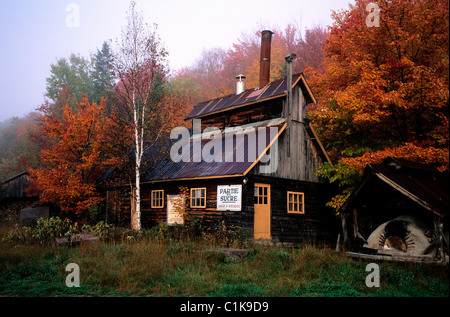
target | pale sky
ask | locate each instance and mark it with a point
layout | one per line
(34, 34)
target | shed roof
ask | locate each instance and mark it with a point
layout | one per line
(237, 162)
(274, 89)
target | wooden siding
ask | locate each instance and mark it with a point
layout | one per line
(303, 159)
(317, 225)
(15, 186)
(152, 216)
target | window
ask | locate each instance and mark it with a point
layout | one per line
(157, 198)
(260, 195)
(198, 197)
(295, 203)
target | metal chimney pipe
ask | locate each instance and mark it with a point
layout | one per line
(289, 59)
(288, 105)
(264, 62)
(240, 84)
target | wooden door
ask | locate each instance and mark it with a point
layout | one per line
(262, 211)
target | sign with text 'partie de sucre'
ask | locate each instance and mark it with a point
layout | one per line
(229, 197)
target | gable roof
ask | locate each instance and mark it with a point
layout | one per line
(419, 182)
(194, 166)
(274, 89)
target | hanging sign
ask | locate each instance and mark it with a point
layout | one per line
(229, 197)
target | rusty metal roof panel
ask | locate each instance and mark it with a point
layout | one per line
(246, 152)
(271, 90)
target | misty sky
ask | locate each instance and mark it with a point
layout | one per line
(34, 34)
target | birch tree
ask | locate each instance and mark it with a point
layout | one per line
(141, 66)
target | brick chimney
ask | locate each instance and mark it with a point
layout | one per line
(264, 62)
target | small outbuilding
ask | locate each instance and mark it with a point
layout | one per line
(14, 187)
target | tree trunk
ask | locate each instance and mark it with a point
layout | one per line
(136, 224)
(137, 209)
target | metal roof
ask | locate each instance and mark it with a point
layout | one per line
(238, 162)
(272, 90)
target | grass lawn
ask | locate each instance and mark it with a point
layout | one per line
(166, 267)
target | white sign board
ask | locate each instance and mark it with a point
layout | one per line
(175, 209)
(229, 197)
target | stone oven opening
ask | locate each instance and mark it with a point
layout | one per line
(403, 234)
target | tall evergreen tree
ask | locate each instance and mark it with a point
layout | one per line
(103, 76)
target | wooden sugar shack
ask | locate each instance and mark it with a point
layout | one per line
(249, 161)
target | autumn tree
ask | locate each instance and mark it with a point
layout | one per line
(310, 53)
(184, 85)
(384, 90)
(81, 146)
(213, 73)
(140, 62)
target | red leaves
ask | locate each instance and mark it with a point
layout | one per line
(408, 151)
(81, 148)
(387, 86)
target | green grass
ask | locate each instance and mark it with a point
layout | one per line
(165, 267)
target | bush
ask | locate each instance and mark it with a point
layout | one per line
(100, 229)
(43, 231)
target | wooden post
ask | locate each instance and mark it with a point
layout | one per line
(441, 242)
(344, 228)
(355, 223)
(438, 234)
(338, 243)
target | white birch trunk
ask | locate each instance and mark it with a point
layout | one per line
(138, 156)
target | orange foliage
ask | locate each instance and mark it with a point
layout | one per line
(213, 75)
(409, 151)
(81, 146)
(385, 86)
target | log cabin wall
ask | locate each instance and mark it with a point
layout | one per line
(209, 214)
(152, 216)
(317, 225)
